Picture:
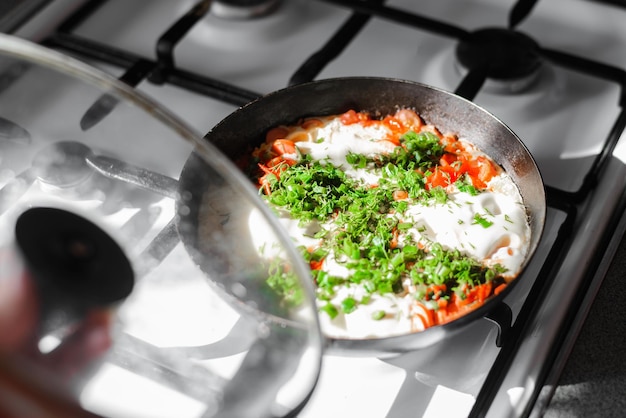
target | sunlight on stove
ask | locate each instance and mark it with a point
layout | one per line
(456, 403)
(620, 149)
(515, 395)
(136, 396)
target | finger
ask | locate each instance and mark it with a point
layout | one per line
(85, 344)
(19, 306)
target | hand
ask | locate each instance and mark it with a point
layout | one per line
(33, 383)
(19, 321)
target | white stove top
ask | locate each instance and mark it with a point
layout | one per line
(564, 119)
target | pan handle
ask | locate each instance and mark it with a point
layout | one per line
(141, 177)
(502, 317)
(167, 238)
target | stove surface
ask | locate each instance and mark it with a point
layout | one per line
(570, 116)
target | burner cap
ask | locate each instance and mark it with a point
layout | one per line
(509, 57)
(242, 9)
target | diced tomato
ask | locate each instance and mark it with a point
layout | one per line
(478, 293)
(284, 146)
(459, 301)
(409, 119)
(394, 141)
(395, 126)
(483, 291)
(316, 264)
(452, 144)
(423, 314)
(352, 116)
(452, 312)
(448, 159)
(442, 316)
(438, 178)
(349, 117)
(481, 170)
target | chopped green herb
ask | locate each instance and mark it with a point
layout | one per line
(348, 305)
(464, 184)
(478, 219)
(330, 310)
(378, 315)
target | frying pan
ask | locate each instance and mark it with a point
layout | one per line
(207, 211)
(245, 128)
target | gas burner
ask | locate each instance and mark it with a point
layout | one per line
(511, 59)
(243, 9)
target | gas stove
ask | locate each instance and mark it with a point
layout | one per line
(556, 78)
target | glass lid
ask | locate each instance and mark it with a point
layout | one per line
(140, 273)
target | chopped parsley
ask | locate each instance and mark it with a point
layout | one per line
(480, 220)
